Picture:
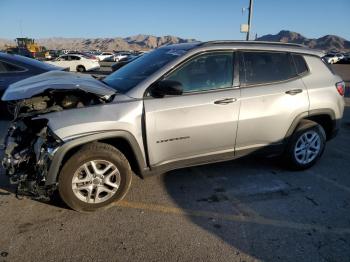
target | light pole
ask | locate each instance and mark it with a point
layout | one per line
(250, 18)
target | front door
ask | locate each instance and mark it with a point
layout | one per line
(202, 121)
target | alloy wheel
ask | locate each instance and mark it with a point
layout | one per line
(96, 181)
(307, 147)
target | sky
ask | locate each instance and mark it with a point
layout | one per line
(203, 20)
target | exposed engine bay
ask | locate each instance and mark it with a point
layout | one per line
(30, 145)
(53, 102)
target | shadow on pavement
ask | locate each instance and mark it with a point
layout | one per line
(267, 212)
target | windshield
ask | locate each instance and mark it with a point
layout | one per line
(139, 69)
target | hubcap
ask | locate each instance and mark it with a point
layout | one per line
(307, 147)
(96, 181)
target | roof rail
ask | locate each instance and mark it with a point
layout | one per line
(249, 43)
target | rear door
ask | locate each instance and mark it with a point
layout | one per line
(75, 61)
(272, 96)
(203, 121)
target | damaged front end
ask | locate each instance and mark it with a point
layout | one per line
(30, 144)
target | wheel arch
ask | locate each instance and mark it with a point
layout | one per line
(80, 65)
(324, 117)
(121, 140)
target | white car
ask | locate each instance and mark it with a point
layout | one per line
(332, 59)
(120, 56)
(105, 56)
(79, 63)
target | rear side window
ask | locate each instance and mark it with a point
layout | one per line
(265, 67)
(300, 64)
(73, 57)
(6, 67)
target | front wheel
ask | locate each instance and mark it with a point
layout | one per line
(306, 145)
(94, 177)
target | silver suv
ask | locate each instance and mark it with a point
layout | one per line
(177, 106)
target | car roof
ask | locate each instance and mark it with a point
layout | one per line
(18, 59)
(250, 45)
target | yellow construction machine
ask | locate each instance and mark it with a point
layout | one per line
(28, 47)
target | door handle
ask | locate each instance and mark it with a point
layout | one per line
(225, 101)
(294, 91)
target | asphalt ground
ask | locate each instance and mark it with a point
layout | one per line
(250, 209)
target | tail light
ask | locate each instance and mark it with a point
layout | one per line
(340, 88)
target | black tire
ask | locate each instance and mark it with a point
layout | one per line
(87, 153)
(305, 127)
(81, 69)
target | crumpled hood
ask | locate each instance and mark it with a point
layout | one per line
(56, 80)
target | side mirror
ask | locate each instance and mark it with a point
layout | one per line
(166, 87)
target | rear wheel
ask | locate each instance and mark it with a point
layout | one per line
(94, 178)
(81, 69)
(306, 145)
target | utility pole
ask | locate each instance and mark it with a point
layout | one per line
(250, 18)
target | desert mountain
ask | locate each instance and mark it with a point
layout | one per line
(328, 42)
(146, 42)
(138, 42)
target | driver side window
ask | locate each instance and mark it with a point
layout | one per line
(205, 72)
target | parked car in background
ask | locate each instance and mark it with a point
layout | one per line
(345, 60)
(14, 68)
(333, 58)
(52, 54)
(123, 62)
(118, 56)
(87, 54)
(78, 63)
(93, 52)
(105, 56)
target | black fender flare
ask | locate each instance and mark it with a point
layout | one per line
(59, 155)
(301, 116)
